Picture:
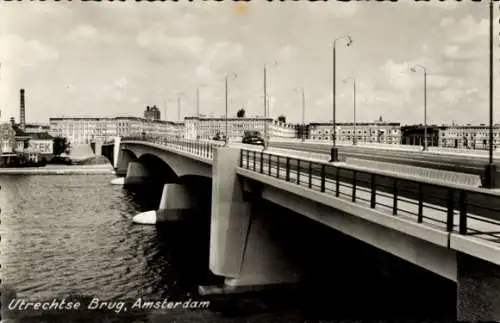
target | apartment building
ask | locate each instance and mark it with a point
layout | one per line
(87, 130)
(377, 131)
(209, 127)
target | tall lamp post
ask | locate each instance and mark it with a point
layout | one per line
(179, 107)
(414, 69)
(354, 139)
(490, 168)
(198, 99)
(266, 108)
(303, 110)
(334, 151)
(226, 139)
(198, 107)
(165, 108)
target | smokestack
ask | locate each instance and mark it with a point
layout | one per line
(22, 113)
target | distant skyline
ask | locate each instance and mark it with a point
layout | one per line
(111, 59)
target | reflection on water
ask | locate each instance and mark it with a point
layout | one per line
(73, 234)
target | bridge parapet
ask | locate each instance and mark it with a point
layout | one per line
(200, 148)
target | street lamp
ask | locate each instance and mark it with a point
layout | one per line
(266, 108)
(334, 151)
(354, 140)
(179, 105)
(198, 108)
(234, 75)
(165, 108)
(303, 110)
(414, 69)
(490, 169)
(198, 99)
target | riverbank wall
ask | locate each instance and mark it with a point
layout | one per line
(60, 170)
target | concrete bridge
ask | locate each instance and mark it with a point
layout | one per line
(451, 230)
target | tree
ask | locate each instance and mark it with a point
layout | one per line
(282, 119)
(240, 113)
(61, 145)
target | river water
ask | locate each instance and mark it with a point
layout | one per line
(72, 237)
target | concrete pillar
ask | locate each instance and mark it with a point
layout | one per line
(116, 152)
(175, 199)
(240, 248)
(136, 173)
(478, 290)
(98, 148)
(176, 196)
(122, 161)
(265, 260)
(230, 217)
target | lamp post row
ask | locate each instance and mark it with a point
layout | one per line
(490, 168)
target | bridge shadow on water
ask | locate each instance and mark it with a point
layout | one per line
(344, 277)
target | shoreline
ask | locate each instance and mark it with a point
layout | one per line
(102, 169)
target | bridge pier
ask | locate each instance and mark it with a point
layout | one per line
(136, 173)
(241, 248)
(122, 163)
(174, 200)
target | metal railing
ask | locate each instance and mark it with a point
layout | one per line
(473, 211)
(199, 148)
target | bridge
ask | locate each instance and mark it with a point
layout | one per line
(450, 229)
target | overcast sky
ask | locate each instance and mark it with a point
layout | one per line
(111, 59)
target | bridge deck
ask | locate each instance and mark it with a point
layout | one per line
(434, 215)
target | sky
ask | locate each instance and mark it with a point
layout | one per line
(106, 59)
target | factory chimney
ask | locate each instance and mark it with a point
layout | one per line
(22, 112)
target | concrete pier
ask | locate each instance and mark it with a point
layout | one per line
(240, 246)
(124, 159)
(116, 152)
(174, 200)
(136, 173)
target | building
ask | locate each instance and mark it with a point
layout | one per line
(36, 128)
(302, 130)
(362, 132)
(152, 113)
(7, 143)
(87, 130)
(209, 127)
(415, 134)
(21, 138)
(468, 136)
(41, 142)
(281, 130)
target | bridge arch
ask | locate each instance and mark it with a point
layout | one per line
(174, 162)
(158, 169)
(125, 157)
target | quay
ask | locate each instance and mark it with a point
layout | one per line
(60, 170)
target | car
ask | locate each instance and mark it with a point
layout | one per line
(252, 138)
(218, 137)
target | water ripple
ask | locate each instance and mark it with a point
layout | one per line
(73, 234)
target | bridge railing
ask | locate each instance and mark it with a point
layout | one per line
(202, 148)
(474, 211)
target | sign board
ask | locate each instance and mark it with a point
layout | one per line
(42, 146)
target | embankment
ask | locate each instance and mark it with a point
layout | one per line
(104, 169)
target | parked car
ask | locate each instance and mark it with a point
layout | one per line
(252, 138)
(218, 137)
